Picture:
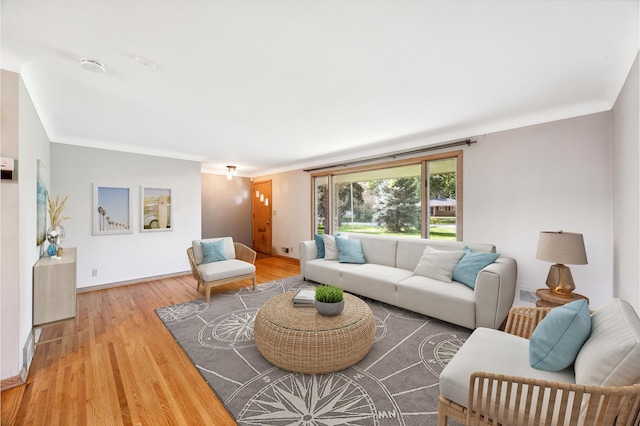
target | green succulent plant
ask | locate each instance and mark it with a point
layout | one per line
(329, 294)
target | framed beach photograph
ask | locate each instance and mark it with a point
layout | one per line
(112, 209)
(155, 209)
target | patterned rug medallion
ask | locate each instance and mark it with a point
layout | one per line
(395, 384)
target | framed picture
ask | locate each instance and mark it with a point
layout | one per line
(41, 203)
(112, 209)
(156, 209)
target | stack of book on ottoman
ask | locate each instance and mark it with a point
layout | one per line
(304, 297)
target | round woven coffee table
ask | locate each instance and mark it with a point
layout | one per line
(300, 340)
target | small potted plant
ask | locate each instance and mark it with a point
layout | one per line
(329, 300)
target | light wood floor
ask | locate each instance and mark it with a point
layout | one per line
(126, 369)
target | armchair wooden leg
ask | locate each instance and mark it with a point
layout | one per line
(254, 282)
(207, 293)
(442, 417)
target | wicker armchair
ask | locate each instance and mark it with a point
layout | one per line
(544, 402)
(243, 253)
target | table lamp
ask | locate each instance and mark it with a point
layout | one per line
(562, 248)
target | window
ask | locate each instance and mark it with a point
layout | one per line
(443, 198)
(321, 203)
(391, 198)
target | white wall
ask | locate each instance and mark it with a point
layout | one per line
(126, 257)
(544, 178)
(17, 296)
(626, 195)
(226, 207)
(9, 277)
(291, 212)
(516, 183)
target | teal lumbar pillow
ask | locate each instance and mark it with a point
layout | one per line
(349, 251)
(213, 251)
(470, 265)
(320, 245)
(556, 341)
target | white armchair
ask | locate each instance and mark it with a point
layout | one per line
(238, 266)
(491, 374)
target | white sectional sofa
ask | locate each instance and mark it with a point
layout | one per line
(388, 276)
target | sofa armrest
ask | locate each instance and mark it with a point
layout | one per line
(502, 399)
(495, 291)
(308, 251)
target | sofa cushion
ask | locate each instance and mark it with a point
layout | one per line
(438, 264)
(213, 251)
(410, 250)
(320, 244)
(556, 341)
(374, 281)
(611, 354)
(492, 351)
(326, 271)
(470, 265)
(452, 302)
(229, 249)
(378, 249)
(225, 269)
(349, 251)
(330, 247)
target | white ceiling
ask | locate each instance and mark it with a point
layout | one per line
(273, 85)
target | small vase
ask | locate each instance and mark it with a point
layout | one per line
(329, 309)
(55, 235)
(52, 250)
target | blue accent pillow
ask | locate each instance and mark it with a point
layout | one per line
(320, 244)
(556, 341)
(470, 265)
(349, 251)
(213, 251)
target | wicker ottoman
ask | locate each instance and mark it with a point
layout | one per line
(302, 341)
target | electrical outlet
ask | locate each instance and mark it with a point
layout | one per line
(284, 249)
(528, 296)
(94, 272)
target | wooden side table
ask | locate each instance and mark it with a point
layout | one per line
(550, 300)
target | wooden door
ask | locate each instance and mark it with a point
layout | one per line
(261, 206)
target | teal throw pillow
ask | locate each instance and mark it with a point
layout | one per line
(470, 265)
(320, 245)
(556, 341)
(349, 251)
(213, 251)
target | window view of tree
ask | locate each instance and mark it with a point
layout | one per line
(388, 200)
(442, 198)
(321, 203)
(398, 210)
(350, 201)
(375, 201)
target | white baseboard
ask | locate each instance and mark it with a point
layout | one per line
(129, 282)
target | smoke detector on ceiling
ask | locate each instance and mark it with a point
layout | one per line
(92, 65)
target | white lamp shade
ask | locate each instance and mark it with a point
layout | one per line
(566, 248)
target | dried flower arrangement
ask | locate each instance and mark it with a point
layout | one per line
(55, 210)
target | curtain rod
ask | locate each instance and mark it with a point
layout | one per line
(467, 142)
